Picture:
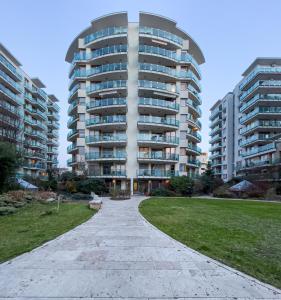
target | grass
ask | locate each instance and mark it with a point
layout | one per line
(245, 235)
(36, 224)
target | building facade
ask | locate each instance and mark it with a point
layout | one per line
(203, 159)
(134, 101)
(254, 119)
(28, 117)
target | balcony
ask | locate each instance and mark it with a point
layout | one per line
(12, 84)
(71, 161)
(215, 130)
(10, 95)
(73, 92)
(195, 108)
(158, 157)
(193, 162)
(193, 149)
(261, 163)
(36, 102)
(193, 121)
(36, 113)
(35, 134)
(35, 144)
(9, 109)
(158, 87)
(10, 68)
(149, 140)
(256, 138)
(37, 166)
(107, 106)
(215, 112)
(72, 134)
(105, 33)
(115, 122)
(35, 123)
(107, 173)
(147, 173)
(72, 107)
(108, 139)
(257, 71)
(157, 123)
(53, 107)
(106, 156)
(261, 124)
(34, 155)
(53, 116)
(193, 135)
(258, 111)
(260, 150)
(194, 94)
(53, 125)
(156, 106)
(107, 86)
(72, 121)
(266, 99)
(161, 35)
(72, 148)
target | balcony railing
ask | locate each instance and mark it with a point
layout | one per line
(36, 111)
(106, 138)
(159, 103)
(110, 31)
(195, 134)
(260, 110)
(270, 97)
(158, 139)
(194, 148)
(106, 120)
(13, 109)
(105, 155)
(159, 120)
(162, 34)
(114, 84)
(107, 173)
(10, 94)
(256, 137)
(158, 156)
(189, 102)
(107, 102)
(260, 149)
(36, 101)
(11, 81)
(72, 133)
(7, 64)
(171, 88)
(156, 173)
(261, 123)
(195, 121)
(34, 166)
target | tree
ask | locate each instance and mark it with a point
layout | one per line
(9, 163)
(182, 185)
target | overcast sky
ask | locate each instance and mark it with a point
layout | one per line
(231, 35)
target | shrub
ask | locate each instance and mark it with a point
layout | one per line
(118, 194)
(223, 192)
(71, 186)
(87, 186)
(164, 192)
(7, 210)
(278, 188)
(182, 185)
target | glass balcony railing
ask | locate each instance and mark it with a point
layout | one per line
(194, 148)
(259, 70)
(195, 121)
(195, 134)
(71, 161)
(159, 120)
(100, 52)
(53, 106)
(256, 137)
(270, 97)
(260, 83)
(8, 65)
(168, 87)
(6, 106)
(159, 103)
(11, 81)
(35, 133)
(114, 84)
(10, 94)
(36, 101)
(259, 163)
(107, 102)
(31, 143)
(106, 155)
(261, 123)
(72, 120)
(106, 120)
(99, 70)
(260, 110)
(158, 139)
(74, 90)
(107, 173)
(34, 154)
(195, 162)
(33, 122)
(72, 133)
(182, 58)
(195, 93)
(36, 112)
(215, 138)
(34, 166)
(71, 148)
(158, 156)
(110, 31)
(106, 138)
(159, 33)
(156, 173)
(260, 149)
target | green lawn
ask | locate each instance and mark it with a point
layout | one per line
(37, 223)
(243, 234)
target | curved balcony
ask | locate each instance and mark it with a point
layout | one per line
(147, 173)
(193, 163)
(13, 85)
(9, 96)
(162, 35)
(193, 135)
(264, 112)
(72, 108)
(193, 149)
(271, 86)
(53, 125)
(107, 140)
(53, 107)
(113, 86)
(194, 122)
(157, 141)
(73, 93)
(106, 156)
(115, 122)
(157, 123)
(72, 121)
(72, 148)
(105, 34)
(107, 106)
(193, 94)
(154, 86)
(71, 161)
(72, 135)
(170, 56)
(264, 99)
(156, 106)
(195, 108)
(158, 157)
(262, 125)
(215, 138)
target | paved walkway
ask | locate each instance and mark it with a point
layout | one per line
(117, 254)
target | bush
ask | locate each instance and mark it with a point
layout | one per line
(7, 210)
(71, 186)
(223, 192)
(182, 185)
(87, 186)
(278, 188)
(118, 194)
(163, 192)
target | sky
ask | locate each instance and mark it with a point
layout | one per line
(231, 35)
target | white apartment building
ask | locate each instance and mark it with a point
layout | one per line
(134, 101)
(203, 160)
(253, 124)
(28, 117)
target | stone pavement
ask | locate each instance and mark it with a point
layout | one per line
(117, 254)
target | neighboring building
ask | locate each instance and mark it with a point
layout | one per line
(26, 115)
(203, 159)
(134, 101)
(254, 121)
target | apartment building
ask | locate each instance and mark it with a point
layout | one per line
(254, 116)
(26, 117)
(134, 96)
(203, 159)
